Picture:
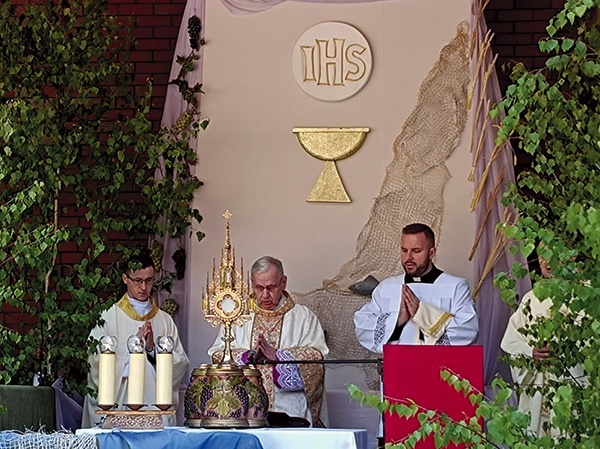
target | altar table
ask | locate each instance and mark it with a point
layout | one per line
(259, 438)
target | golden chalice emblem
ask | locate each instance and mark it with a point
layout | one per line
(330, 145)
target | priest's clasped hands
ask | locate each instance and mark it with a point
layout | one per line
(409, 304)
(145, 332)
(263, 352)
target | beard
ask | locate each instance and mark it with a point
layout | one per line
(415, 270)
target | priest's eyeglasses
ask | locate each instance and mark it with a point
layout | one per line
(270, 288)
(140, 281)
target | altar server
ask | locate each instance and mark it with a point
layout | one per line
(135, 314)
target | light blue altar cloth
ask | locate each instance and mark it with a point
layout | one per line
(175, 439)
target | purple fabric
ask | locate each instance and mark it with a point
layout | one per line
(493, 312)
(287, 376)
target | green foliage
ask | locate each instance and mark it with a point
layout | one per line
(554, 116)
(81, 171)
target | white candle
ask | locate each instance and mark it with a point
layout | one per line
(164, 378)
(137, 374)
(106, 379)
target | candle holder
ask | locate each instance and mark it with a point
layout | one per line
(106, 388)
(137, 372)
(134, 418)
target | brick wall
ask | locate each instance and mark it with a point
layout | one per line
(156, 26)
(518, 25)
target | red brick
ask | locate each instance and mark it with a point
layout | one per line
(158, 92)
(533, 4)
(539, 62)
(142, 33)
(501, 4)
(527, 50)
(135, 9)
(171, 32)
(67, 246)
(169, 9)
(161, 78)
(544, 15)
(141, 56)
(116, 235)
(68, 221)
(502, 28)
(162, 56)
(70, 258)
(154, 44)
(515, 15)
(530, 27)
(106, 259)
(504, 50)
(514, 39)
(150, 67)
(490, 16)
(154, 21)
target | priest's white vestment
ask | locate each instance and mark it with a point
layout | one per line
(515, 343)
(121, 321)
(452, 312)
(296, 329)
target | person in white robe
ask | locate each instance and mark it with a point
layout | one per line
(516, 343)
(423, 306)
(280, 330)
(135, 314)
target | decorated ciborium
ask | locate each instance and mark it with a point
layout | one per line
(225, 394)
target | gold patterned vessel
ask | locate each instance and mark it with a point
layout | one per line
(330, 145)
(225, 394)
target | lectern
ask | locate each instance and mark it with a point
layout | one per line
(413, 372)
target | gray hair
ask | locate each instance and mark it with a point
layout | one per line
(264, 263)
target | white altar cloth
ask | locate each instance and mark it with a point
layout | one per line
(281, 438)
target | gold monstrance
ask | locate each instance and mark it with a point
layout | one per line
(227, 297)
(225, 394)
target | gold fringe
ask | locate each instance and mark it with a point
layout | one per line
(439, 323)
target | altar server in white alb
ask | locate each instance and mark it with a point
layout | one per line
(281, 330)
(423, 306)
(135, 314)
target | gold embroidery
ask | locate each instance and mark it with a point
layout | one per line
(126, 307)
(439, 323)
